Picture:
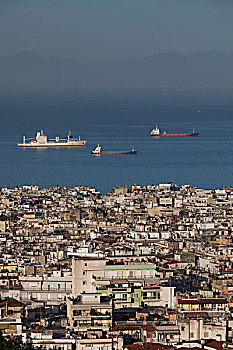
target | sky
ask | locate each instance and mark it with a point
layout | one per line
(100, 30)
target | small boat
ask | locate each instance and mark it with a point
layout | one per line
(98, 150)
(156, 132)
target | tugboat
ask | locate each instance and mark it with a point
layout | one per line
(156, 132)
(42, 140)
(98, 150)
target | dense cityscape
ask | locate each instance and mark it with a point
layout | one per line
(116, 193)
(141, 267)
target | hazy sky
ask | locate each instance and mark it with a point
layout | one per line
(97, 30)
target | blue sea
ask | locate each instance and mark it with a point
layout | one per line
(117, 122)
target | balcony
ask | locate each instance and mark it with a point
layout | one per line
(84, 327)
(39, 290)
(134, 323)
(101, 317)
(150, 299)
(125, 278)
(81, 318)
(122, 301)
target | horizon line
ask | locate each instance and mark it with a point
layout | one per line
(32, 53)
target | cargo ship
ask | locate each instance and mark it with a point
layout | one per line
(41, 140)
(98, 150)
(156, 132)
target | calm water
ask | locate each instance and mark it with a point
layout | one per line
(117, 124)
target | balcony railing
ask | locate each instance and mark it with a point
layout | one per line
(134, 323)
(91, 317)
(82, 317)
(100, 278)
(29, 289)
(89, 326)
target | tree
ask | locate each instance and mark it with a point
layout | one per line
(13, 343)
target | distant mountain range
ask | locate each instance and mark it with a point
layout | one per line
(211, 70)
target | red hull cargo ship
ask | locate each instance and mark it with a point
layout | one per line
(98, 150)
(156, 132)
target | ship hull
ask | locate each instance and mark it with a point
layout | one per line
(55, 145)
(119, 152)
(195, 134)
(116, 152)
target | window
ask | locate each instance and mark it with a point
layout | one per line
(59, 286)
(206, 334)
(84, 282)
(191, 335)
(124, 296)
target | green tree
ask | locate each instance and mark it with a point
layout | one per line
(13, 343)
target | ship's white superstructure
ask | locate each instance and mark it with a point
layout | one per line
(41, 140)
(97, 150)
(155, 132)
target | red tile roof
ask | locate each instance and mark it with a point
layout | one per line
(203, 301)
(11, 303)
(149, 346)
